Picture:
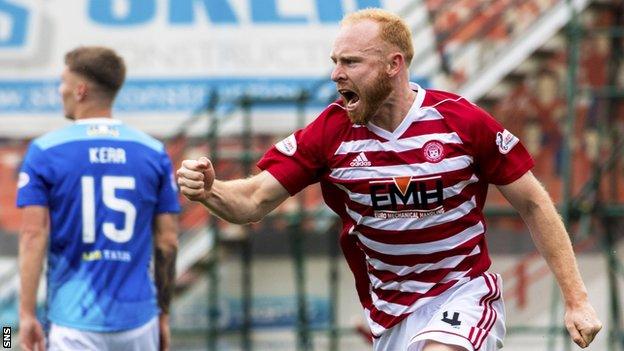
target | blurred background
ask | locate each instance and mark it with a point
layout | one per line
(229, 78)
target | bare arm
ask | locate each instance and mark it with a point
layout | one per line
(33, 239)
(238, 201)
(549, 234)
(165, 253)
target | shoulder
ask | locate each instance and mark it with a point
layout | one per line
(333, 117)
(448, 102)
(452, 106)
(96, 131)
(320, 134)
(131, 134)
(329, 128)
(57, 137)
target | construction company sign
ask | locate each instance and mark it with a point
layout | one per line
(177, 51)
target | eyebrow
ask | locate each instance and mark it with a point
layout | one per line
(345, 57)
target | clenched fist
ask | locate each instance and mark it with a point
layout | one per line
(195, 178)
(582, 324)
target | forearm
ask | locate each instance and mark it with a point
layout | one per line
(32, 248)
(164, 272)
(553, 242)
(238, 201)
(234, 201)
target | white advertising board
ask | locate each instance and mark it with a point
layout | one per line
(177, 52)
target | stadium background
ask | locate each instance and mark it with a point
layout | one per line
(228, 78)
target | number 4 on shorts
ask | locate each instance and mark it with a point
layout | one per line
(453, 322)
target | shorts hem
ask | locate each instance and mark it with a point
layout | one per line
(443, 337)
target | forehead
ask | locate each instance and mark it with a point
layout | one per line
(359, 37)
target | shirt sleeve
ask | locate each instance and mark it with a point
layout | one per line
(32, 186)
(500, 156)
(168, 193)
(298, 160)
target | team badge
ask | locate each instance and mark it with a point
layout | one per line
(433, 151)
(22, 179)
(287, 146)
(505, 141)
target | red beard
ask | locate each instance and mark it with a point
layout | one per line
(371, 99)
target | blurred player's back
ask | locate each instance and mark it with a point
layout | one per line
(103, 183)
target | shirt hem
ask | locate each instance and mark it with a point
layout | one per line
(105, 328)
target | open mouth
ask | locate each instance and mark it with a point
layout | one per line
(351, 98)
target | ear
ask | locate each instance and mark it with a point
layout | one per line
(81, 91)
(396, 62)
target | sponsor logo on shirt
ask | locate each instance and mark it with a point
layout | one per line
(360, 161)
(107, 255)
(102, 130)
(505, 141)
(417, 197)
(433, 151)
(287, 146)
(22, 180)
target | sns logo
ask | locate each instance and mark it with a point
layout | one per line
(19, 28)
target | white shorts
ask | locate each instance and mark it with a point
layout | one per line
(145, 337)
(471, 316)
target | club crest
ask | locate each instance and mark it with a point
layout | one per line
(433, 151)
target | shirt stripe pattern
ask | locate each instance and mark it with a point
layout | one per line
(412, 255)
(410, 200)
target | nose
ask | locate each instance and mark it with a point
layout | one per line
(337, 73)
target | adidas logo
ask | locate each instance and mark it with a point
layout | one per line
(360, 161)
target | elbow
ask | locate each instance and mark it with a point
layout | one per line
(244, 220)
(254, 214)
(531, 206)
(167, 243)
(256, 217)
(535, 205)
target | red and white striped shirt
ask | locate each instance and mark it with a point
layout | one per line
(410, 200)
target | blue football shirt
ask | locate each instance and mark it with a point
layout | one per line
(103, 183)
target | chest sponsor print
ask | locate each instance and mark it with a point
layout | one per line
(407, 197)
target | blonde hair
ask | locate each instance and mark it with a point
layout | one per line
(392, 28)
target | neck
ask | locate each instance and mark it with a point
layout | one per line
(395, 108)
(93, 111)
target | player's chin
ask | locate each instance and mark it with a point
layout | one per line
(356, 118)
(357, 115)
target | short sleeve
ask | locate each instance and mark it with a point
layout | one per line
(298, 160)
(500, 156)
(33, 186)
(168, 192)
